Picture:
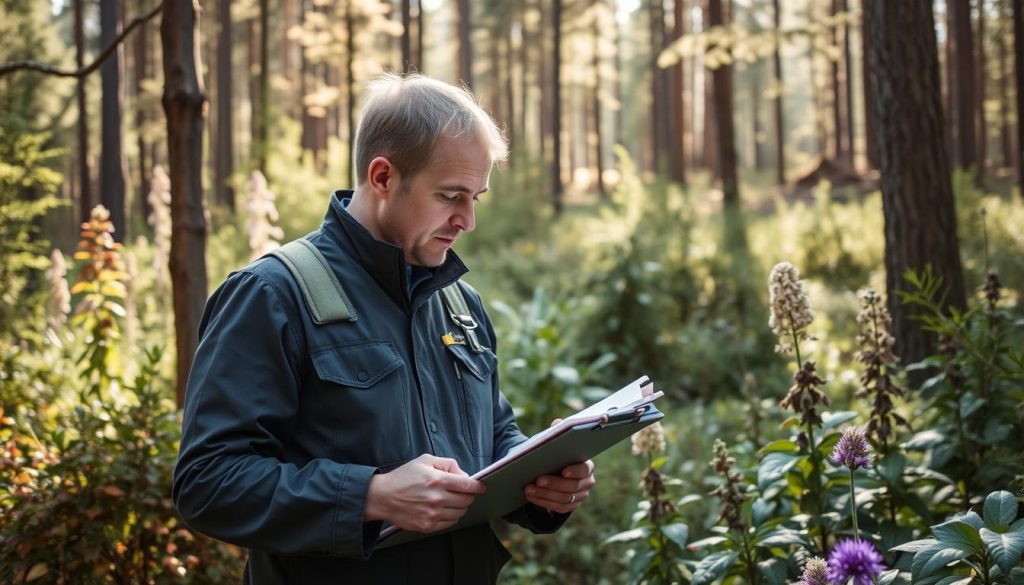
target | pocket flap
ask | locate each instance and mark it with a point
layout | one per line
(359, 365)
(480, 364)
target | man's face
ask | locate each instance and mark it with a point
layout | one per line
(431, 210)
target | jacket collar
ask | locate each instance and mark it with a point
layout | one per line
(383, 261)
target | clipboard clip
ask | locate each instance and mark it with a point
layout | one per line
(614, 416)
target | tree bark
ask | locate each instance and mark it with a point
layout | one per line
(85, 196)
(596, 105)
(724, 125)
(755, 115)
(112, 163)
(780, 136)
(406, 38)
(660, 155)
(980, 107)
(850, 146)
(676, 75)
(838, 121)
(1018, 44)
(142, 71)
(418, 63)
(350, 88)
(263, 111)
(184, 104)
(465, 43)
(870, 138)
(1005, 141)
(557, 189)
(917, 193)
(966, 107)
(225, 145)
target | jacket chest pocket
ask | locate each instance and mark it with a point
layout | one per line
(476, 403)
(364, 400)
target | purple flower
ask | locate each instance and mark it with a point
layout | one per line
(854, 559)
(852, 450)
(815, 572)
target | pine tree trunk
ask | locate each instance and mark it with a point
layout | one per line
(966, 106)
(980, 108)
(350, 88)
(465, 43)
(838, 122)
(755, 116)
(1018, 44)
(596, 103)
(850, 146)
(85, 196)
(557, 190)
(406, 38)
(870, 138)
(112, 163)
(917, 193)
(676, 75)
(660, 155)
(225, 150)
(780, 136)
(418, 59)
(142, 71)
(1004, 95)
(263, 113)
(184, 104)
(725, 129)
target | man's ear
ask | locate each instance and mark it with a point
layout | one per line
(382, 177)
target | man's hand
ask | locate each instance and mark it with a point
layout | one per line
(565, 492)
(426, 494)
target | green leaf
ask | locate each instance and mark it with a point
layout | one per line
(955, 580)
(761, 510)
(773, 467)
(705, 542)
(888, 577)
(959, 535)
(833, 419)
(689, 499)
(677, 532)
(713, 566)
(891, 467)
(933, 557)
(629, 535)
(1000, 510)
(971, 518)
(780, 446)
(1005, 548)
(773, 571)
(782, 537)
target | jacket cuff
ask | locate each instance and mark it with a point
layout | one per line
(536, 519)
(353, 537)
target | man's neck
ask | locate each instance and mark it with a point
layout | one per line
(361, 209)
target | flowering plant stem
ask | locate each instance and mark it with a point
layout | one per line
(815, 458)
(853, 507)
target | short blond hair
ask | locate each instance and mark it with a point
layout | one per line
(404, 116)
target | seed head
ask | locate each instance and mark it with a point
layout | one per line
(815, 572)
(790, 309)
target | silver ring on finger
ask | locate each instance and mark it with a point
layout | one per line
(572, 498)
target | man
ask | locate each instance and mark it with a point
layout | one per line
(302, 439)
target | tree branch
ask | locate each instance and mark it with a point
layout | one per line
(51, 70)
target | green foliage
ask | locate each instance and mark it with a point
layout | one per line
(87, 494)
(971, 548)
(971, 408)
(546, 375)
(27, 187)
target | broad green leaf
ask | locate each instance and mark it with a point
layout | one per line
(1000, 510)
(705, 542)
(782, 537)
(629, 535)
(567, 375)
(689, 499)
(833, 419)
(933, 557)
(925, 440)
(1017, 576)
(761, 510)
(1005, 548)
(971, 518)
(955, 580)
(677, 532)
(713, 566)
(959, 535)
(774, 466)
(891, 467)
(888, 577)
(780, 446)
(773, 571)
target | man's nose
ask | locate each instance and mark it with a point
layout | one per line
(465, 217)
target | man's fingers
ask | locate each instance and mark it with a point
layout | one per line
(444, 464)
(462, 484)
(579, 470)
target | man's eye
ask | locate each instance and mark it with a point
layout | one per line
(449, 198)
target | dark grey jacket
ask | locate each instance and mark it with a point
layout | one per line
(286, 421)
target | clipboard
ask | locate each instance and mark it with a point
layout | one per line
(577, 438)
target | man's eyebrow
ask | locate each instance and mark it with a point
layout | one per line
(459, 189)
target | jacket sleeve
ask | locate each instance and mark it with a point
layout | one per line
(506, 436)
(231, 481)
